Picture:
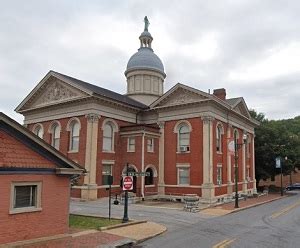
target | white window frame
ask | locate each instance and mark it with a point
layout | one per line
(219, 138)
(72, 136)
(150, 145)
(55, 140)
(248, 178)
(219, 174)
(183, 148)
(131, 144)
(38, 130)
(115, 129)
(248, 144)
(110, 138)
(183, 167)
(111, 171)
(37, 206)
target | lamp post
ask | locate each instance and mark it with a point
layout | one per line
(236, 147)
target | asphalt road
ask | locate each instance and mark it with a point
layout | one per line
(276, 224)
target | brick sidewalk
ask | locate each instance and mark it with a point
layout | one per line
(91, 240)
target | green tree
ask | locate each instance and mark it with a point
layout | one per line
(275, 138)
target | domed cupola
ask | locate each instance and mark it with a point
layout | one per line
(145, 71)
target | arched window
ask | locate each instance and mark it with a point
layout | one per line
(184, 138)
(55, 135)
(248, 143)
(219, 138)
(38, 130)
(74, 136)
(149, 179)
(108, 136)
(236, 138)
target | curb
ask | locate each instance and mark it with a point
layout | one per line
(123, 225)
(254, 205)
(131, 222)
(151, 236)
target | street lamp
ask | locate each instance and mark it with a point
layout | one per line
(236, 147)
(125, 216)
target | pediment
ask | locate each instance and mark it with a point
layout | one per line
(179, 96)
(242, 109)
(53, 91)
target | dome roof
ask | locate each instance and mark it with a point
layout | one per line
(145, 58)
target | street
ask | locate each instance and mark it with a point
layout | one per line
(275, 224)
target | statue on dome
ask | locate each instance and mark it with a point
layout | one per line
(146, 23)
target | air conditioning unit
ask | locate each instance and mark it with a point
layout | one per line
(184, 148)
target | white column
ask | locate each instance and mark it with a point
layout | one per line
(161, 172)
(208, 190)
(229, 166)
(143, 166)
(253, 165)
(244, 167)
(90, 191)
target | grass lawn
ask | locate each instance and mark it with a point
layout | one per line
(86, 222)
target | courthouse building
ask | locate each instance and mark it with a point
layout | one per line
(180, 137)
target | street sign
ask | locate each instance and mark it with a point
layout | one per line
(127, 183)
(278, 162)
(139, 174)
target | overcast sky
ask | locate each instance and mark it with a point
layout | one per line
(251, 48)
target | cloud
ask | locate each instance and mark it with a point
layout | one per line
(249, 47)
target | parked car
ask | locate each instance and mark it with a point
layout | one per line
(293, 186)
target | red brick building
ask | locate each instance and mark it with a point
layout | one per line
(34, 185)
(180, 136)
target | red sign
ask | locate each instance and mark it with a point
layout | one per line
(127, 183)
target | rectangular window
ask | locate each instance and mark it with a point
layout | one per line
(183, 176)
(106, 172)
(219, 175)
(131, 145)
(150, 145)
(248, 173)
(26, 197)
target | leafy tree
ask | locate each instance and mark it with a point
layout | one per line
(274, 138)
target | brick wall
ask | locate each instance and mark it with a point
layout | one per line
(14, 153)
(51, 220)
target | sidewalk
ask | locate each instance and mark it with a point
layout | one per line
(112, 237)
(228, 208)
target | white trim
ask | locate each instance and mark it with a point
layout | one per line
(111, 162)
(151, 166)
(152, 144)
(182, 122)
(131, 144)
(36, 208)
(183, 165)
(115, 124)
(38, 125)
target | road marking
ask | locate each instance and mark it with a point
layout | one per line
(285, 210)
(224, 243)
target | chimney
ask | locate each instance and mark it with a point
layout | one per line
(220, 93)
